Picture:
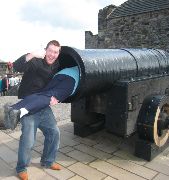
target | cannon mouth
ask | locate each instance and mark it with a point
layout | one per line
(69, 58)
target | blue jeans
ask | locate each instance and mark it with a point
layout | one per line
(45, 121)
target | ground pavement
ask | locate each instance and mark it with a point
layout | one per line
(100, 156)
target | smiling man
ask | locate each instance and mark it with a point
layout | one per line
(38, 70)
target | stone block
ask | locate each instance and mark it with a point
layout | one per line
(3, 101)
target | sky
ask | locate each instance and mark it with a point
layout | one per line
(28, 25)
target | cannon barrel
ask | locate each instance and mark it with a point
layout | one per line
(124, 91)
(100, 68)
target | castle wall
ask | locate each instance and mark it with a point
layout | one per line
(149, 29)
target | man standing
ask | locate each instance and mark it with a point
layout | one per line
(38, 69)
(12, 82)
(5, 85)
(0, 85)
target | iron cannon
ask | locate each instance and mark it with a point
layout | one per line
(125, 91)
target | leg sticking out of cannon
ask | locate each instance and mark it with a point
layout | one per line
(153, 127)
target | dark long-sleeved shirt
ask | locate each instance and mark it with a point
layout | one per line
(37, 73)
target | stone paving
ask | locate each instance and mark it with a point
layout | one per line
(101, 156)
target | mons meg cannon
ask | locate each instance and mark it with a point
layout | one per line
(123, 90)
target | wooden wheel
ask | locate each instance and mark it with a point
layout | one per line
(153, 120)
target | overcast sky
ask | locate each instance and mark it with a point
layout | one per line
(27, 25)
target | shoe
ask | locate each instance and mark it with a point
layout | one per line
(55, 166)
(23, 175)
(14, 116)
(11, 117)
(2, 127)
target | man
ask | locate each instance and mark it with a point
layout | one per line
(0, 85)
(12, 82)
(5, 85)
(38, 69)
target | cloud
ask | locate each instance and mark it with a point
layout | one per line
(72, 14)
(28, 25)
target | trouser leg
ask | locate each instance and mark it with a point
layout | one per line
(52, 137)
(27, 139)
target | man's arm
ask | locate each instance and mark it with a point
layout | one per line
(21, 64)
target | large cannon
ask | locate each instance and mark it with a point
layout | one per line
(123, 90)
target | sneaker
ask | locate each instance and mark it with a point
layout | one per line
(11, 117)
(2, 126)
(23, 175)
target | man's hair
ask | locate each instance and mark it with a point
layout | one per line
(53, 42)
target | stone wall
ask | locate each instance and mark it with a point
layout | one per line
(149, 29)
(90, 40)
(3, 68)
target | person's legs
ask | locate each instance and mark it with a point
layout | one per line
(45, 120)
(36, 104)
(27, 139)
(33, 103)
(61, 87)
(54, 82)
(63, 90)
(27, 100)
(31, 99)
(52, 137)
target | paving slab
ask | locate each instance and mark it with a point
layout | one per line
(93, 151)
(114, 171)
(86, 171)
(6, 171)
(7, 154)
(132, 167)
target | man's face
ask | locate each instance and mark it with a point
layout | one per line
(52, 53)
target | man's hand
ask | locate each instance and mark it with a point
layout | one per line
(37, 54)
(53, 101)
